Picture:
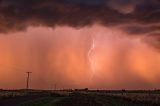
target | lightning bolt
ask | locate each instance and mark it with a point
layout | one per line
(91, 55)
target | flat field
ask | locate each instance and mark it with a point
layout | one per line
(79, 98)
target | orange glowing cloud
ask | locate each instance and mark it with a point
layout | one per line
(60, 56)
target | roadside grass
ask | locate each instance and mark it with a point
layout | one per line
(119, 101)
(103, 100)
(49, 100)
(45, 101)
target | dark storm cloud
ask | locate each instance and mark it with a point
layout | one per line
(132, 30)
(153, 39)
(17, 15)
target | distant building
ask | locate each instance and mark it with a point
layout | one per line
(85, 89)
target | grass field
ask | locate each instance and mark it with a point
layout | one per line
(82, 98)
(46, 101)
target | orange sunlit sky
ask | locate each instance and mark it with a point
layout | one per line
(60, 56)
(96, 44)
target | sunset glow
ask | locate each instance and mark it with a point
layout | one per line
(60, 55)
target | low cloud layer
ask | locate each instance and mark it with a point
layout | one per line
(134, 17)
(19, 14)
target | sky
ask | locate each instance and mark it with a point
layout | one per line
(96, 44)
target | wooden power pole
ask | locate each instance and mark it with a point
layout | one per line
(28, 75)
